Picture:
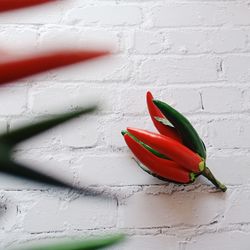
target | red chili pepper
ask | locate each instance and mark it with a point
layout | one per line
(20, 68)
(6, 5)
(155, 112)
(165, 168)
(167, 146)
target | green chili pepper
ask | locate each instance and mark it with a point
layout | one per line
(187, 132)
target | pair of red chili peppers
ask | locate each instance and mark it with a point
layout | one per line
(177, 154)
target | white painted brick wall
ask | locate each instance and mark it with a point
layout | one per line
(193, 54)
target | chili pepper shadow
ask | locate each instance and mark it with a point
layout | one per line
(202, 207)
(8, 142)
(178, 206)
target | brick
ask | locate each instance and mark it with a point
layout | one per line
(148, 42)
(238, 13)
(172, 69)
(51, 214)
(8, 209)
(50, 13)
(18, 39)
(42, 98)
(13, 100)
(246, 99)
(142, 242)
(175, 14)
(231, 170)
(116, 68)
(182, 99)
(187, 14)
(237, 68)
(227, 240)
(105, 15)
(144, 210)
(231, 133)
(82, 132)
(133, 101)
(237, 212)
(65, 36)
(12, 183)
(193, 41)
(220, 100)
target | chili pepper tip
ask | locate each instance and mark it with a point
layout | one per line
(149, 93)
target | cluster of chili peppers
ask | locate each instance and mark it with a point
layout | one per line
(177, 154)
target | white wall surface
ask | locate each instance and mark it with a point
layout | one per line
(193, 54)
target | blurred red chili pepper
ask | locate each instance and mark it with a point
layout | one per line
(167, 146)
(23, 67)
(155, 112)
(162, 167)
(6, 5)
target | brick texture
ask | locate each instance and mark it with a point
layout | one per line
(195, 55)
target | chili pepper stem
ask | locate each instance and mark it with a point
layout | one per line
(208, 174)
